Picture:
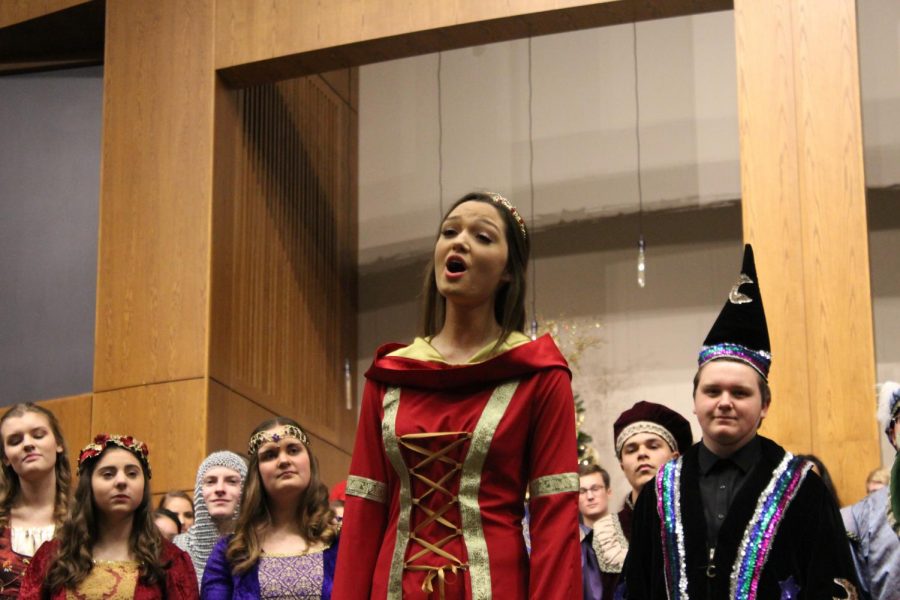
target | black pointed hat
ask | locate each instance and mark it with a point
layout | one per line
(740, 332)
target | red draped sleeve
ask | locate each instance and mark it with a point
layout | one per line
(553, 456)
(366, 508)
(32, 583)
(181, 579)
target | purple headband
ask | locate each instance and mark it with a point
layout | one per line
(758, 359)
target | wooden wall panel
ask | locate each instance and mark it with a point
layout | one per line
(258, 42)
(334, 462)
(170, 417)
(156, 193)
(232, 418)
(835, 239)
(74, 414)
(285, 251)
(804, 209)
(16, 11)
(770, 188)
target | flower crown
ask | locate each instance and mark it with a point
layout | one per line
(498, 199)
(264, 437)
(104, 440)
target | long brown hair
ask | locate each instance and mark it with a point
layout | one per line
(74, 560)
(315, 517)
(10, 485)
(509, 304)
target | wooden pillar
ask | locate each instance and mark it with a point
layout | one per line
(209, 218)
(804, 209)
(150, 365)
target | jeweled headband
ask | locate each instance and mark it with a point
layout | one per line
(264, 437)
(498, 199)
(760, 360)
(104, 440)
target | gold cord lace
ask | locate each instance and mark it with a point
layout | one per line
(454, 564)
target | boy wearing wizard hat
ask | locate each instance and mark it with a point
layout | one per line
(736, 516)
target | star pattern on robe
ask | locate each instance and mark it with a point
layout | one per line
(790, 589)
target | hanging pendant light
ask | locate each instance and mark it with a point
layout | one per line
(440, 111)
(642, 246)
(534, 323)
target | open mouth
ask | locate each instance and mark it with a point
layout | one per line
(456, 265)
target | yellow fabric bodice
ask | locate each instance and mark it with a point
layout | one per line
(109, 580)
(421, 349)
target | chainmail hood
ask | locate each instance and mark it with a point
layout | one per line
(199, 540)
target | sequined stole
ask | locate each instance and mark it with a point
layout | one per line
(760, 532)
(758, 537)
(668, 506)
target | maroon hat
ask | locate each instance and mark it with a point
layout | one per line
(649, 417)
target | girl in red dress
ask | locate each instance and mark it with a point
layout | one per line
(455, 427)
(109, 547)
(35, 495)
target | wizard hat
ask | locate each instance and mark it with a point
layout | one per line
(740, 332)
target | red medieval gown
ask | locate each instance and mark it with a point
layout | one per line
(443, 456)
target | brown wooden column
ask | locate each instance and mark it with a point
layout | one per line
(226, 278)
(150, 365)
(804, 210)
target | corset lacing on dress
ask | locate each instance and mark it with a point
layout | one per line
(454, 564)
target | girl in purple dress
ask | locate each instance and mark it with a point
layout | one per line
(285, 540)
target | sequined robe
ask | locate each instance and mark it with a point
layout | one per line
(443, 456)
(809, 556)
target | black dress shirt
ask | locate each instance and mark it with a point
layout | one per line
(720, 481)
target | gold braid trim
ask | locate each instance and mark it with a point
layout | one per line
(470, 486)
(391, 404)
(554, 484)
(368, 489)
(848, 588)
(610, 544)
(646, 427)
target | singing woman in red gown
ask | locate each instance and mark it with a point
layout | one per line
(455, 427)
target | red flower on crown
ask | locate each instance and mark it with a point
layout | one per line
(102, 441)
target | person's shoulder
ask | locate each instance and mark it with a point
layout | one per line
(48, 548)
(873, 503)
(182, 540)
(222, 544)
(171, 551)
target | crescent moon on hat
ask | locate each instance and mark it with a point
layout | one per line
(735, 296)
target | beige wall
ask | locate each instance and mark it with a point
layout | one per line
(584, 175)
(585, 153)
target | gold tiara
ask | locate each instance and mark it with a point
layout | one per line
(264, 437)
(498, 199)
